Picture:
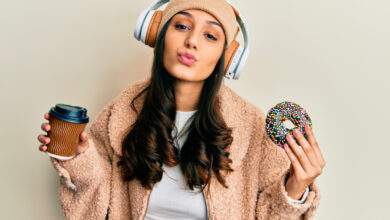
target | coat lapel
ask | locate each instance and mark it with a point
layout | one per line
(234, 112)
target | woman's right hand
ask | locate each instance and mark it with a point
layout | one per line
(43, 139)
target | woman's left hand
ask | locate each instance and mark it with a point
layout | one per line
(306, 160)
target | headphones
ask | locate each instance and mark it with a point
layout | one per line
(235, 55)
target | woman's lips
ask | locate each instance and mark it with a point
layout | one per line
(186, 60)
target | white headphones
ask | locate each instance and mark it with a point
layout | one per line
(235, 56)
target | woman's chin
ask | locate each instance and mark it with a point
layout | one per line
(186, 77)
(184, 74)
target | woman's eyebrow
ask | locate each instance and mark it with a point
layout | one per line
(190, 15)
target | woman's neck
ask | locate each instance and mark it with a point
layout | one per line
(187, 95)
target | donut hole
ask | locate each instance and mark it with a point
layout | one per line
(288, 124)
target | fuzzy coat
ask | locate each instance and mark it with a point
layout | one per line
(91, 185)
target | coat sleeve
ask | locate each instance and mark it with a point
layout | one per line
(84, 189)
(274, 167)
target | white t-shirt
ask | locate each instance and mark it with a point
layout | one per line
(171, 198)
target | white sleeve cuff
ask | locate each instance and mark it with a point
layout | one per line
(302, 200)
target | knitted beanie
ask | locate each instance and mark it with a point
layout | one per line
(220, 9)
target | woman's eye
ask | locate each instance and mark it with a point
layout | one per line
(180, 26)
(210, 36)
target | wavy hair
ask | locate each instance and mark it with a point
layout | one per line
(149, 143)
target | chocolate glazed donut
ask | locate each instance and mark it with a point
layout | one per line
(279, 114)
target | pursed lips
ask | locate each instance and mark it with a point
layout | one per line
(186, 59)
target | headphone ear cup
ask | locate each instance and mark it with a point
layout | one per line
(139, 24)
(143, 25)
(241, 62)
(151, 35)
(230, 54)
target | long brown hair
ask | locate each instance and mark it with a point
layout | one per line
(149, 144)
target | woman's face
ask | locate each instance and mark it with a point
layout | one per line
(194, 42)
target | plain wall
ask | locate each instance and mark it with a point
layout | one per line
(331, 57)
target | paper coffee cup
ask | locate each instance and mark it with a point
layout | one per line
(66, 124)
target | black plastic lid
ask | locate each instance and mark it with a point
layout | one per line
(75, 114)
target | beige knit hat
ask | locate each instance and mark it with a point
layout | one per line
(220, 9)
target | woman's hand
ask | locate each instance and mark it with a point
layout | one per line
(44, 139)
(306, 160)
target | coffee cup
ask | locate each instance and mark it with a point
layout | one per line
(66, 124)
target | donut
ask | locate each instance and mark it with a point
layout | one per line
(285, 111)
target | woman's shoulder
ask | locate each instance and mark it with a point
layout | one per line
(120, 99)
(131, 89)
(242, 105)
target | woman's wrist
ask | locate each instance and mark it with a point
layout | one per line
(294, 190)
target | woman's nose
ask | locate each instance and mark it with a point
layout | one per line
(192, 41)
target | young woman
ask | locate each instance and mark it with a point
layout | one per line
(181, 145)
